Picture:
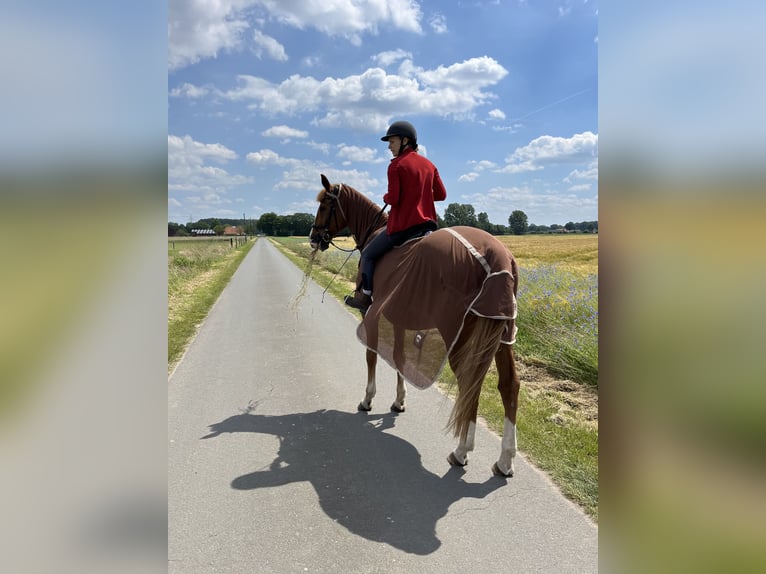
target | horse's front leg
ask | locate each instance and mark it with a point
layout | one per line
(398, 404)
(508, 384)
(372, 361)
(399, 359)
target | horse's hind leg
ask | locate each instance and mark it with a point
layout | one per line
(459, 456)
(372, 361)
(508, 384)
(470, 359)
(398, 405)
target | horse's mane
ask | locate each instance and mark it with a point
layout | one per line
(356, 195)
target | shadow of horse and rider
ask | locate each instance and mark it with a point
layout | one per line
(371, 482)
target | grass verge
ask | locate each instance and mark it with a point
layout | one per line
(198, 271)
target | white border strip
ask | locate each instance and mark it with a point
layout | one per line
(479, 257)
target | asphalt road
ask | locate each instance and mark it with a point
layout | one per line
(272, 469)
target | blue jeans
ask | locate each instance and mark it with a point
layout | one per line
(375, 248)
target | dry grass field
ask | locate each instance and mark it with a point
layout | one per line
(577, 253)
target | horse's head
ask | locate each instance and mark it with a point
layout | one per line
(329, 219)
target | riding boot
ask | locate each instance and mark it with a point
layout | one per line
(360, 301)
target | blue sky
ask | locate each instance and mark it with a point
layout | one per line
(265, 95)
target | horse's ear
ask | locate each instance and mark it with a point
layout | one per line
(326, 182)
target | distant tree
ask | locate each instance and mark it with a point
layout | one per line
(283, 226)
(267, 222)
(175, 230)
(440, 221)
(460, 214)
(219, 229)
(554, 226)
(302, 223)
(482, 222)
(518, 222)
(570, 226)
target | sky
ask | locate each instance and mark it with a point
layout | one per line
(266, 95)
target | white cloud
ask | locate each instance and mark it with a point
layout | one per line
(191, 91)
(284, 132)
(496, 114)
(352, 154)
(269, 45)
(549, 150)
(186, 150)
(190, 172)
(482, 164)
(199, 29)
(513, 128)
(438, 23)
(478, 167)
(322, 147)
(470, 74)
(267, 157)
(385, 59)
(591, 173)
(369, 100)
(580, 187)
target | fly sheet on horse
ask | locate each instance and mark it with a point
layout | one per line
(447, 296)
(425, 290)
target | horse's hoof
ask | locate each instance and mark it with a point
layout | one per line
(496, 472)
(452, 459)
(397, 409)
(361, 407)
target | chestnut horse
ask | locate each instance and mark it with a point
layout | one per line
(449, 296)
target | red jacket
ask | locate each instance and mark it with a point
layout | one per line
(413, 186)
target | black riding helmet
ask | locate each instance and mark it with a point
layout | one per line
(403, 130)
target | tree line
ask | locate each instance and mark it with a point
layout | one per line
(299, 224)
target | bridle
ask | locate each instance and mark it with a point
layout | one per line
(325, 239)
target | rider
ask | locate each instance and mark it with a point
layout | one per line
(413, 186)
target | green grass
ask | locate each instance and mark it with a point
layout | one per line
(557, 328)
(558, 322)
(198, 271)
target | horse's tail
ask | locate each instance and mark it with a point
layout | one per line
(515, 273)
(470, 361)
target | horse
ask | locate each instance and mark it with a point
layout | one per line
(448, 296)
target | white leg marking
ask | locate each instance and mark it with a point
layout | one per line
(507, 448)
(400, 392)
(463, 448)
(369, 391)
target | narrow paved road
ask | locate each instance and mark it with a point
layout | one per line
(272, 469)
